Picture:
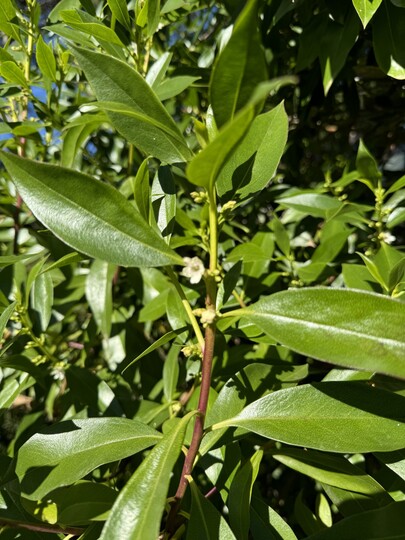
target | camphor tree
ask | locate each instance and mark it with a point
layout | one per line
(202, 270)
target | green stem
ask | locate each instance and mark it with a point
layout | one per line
(213, 222)
(187, 307)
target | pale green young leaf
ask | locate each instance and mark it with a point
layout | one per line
(115, 80)
(240, 494)
(366, 9)
(138, 510)
(45, 59)
(239, 67)
(205, 520)
(351, 334)
(400, 183)
(346, 417)
(385, 523)
(63, 453)
(89, 215)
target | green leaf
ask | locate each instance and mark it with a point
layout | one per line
(366, 9)
(94, 29)
(204, 169)
(240, 494)
(174, 86)
(138, 510)
(63, 453)
(141, 190)
(267, 524)
(313, 204)
(388, 34)
(12, 73)
(254, 161)
(366, 165)
(158, 343)
(400, 183)
(88, 215)
(82, 503)
(384, 523)
(171, 372)
(205, 520)
(151, 128)
(332, 470)
(338, 39)
(239, 68)
(99, 294)
(120, 11)
(5, 316)
(394, 461)
(340, 326)
(42, 298)
(45, 59)
(163, 199)
(7, 10)
(345, 417)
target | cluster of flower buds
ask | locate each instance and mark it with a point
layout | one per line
(191, 351)
(200, 197)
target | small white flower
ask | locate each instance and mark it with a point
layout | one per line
(208, 316)
(387, 237)
(58, 374)
(194, 269)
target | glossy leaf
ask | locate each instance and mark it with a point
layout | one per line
(120, 11)
(205, 520)
(337, 41)
(205, 167)
(313, 204)
(42, 298)
(267, 524)
(158, 343)
(46, 60)
(141, 190)
(349, 328)
(138, 510)
(333, 416)
(150, 128)
(240, 494)
(5, 316)
(90, 216)
(384, 523)
(366, 165)
(254, 162)
(99, 294)
(388, 32)
(331, 469)
(239, 68)
(366, 9)
(66, 452)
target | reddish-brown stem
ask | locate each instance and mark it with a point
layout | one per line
(38, 527)
(208, 355)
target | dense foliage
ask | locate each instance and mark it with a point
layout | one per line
(202, 269)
